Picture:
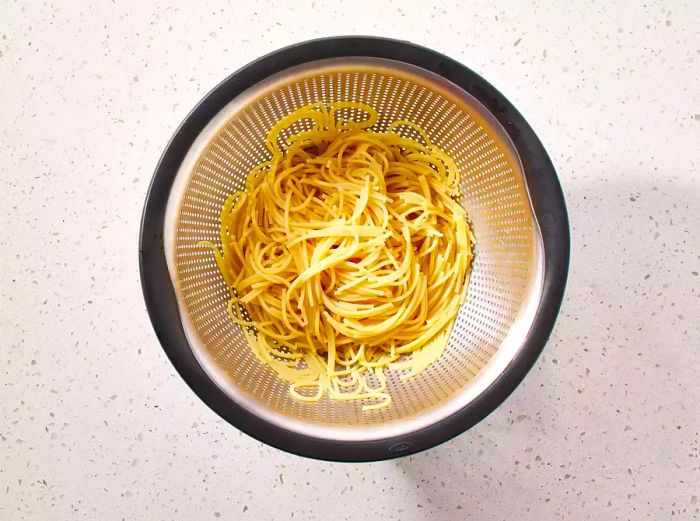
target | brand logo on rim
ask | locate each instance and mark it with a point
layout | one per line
(402, 446)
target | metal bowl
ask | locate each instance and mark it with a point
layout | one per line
(508, 187)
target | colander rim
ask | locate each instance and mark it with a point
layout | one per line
(547, 201)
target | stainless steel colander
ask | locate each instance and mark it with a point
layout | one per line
(508, 187)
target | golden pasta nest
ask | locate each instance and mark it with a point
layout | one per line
(347, 254)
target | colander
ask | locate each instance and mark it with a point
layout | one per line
(508, 187)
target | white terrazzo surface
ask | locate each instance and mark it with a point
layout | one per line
(94, 422)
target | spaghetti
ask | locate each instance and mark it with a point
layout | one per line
(347, 254)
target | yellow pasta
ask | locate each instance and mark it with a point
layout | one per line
(347, 254)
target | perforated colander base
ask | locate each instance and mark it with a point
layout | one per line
(506, 277)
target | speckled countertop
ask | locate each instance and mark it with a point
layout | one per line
(94, 422)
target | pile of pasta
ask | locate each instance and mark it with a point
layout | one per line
(347, 254)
